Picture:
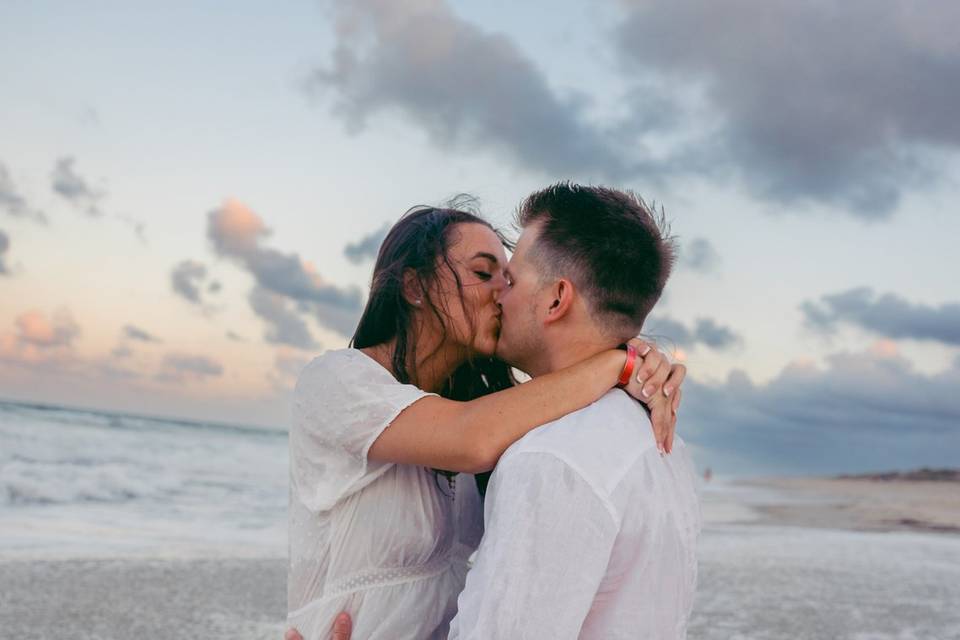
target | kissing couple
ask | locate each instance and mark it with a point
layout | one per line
(587, 527)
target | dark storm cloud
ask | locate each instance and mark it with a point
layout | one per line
(367, 247)
(465, 87)
(285, 326)
(705, 331)
(830, 102)
(70, 185)
(237, 233)
(136, 333)
(889, 315)
(13, 202)
(847, 104)
(866, 411)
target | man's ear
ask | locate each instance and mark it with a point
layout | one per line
(563, 293)
(412, 291)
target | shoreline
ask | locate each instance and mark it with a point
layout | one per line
(865, 503)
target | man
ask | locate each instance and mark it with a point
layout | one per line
(590, 531)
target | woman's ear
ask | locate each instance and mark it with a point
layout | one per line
(412, 291)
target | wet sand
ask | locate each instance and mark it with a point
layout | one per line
(143, 599)
(863, 504)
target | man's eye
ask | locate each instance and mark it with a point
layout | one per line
(483, 275)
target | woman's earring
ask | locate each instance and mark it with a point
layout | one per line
(417, 302)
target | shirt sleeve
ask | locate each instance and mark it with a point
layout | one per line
(547, 542)
(341, 405)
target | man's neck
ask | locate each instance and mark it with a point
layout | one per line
(565, 351)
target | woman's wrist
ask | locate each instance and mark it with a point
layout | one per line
(618, 360)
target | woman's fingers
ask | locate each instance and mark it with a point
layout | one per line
(342, 627)
(677, 373)
(654, 382)
(649, 359)
(292, 634)
(661, 417)
(675, 406)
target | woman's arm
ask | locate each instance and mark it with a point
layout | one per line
(471, 436)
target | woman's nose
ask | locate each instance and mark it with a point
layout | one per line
(499, 285)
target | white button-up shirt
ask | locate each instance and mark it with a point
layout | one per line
(589, 533)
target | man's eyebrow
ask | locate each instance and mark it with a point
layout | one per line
(489, 256)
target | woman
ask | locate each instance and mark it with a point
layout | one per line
(375, 529)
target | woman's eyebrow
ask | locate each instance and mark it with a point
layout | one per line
(489, 256)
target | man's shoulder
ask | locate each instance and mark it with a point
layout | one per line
(597, 440)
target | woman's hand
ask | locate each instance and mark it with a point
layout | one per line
(656, 383)
(342, 629)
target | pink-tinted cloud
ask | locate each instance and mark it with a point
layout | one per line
(38, 339)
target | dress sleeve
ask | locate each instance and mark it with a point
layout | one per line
(544, 553)
(341, 405)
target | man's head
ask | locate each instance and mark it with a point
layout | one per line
(590, 264)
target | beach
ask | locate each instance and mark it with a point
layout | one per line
(826, 558)
(853, 503)
(116, 526)
(149, 599)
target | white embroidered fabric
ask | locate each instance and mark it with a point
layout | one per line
(386, 543)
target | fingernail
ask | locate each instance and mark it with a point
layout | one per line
(667, 391)
(647, 391)
(639, 379)
(645, 351)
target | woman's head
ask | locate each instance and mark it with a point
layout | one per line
(438, 272)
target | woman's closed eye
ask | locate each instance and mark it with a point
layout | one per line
(483, 275)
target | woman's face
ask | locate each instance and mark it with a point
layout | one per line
(477, 255)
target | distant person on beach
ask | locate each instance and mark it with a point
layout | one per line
(595, 524)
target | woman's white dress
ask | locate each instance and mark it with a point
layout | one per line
(387, 543)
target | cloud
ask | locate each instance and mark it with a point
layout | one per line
(705, 331)
(846, 105)
(36, 329)
(138, 334)
(187, 279)
(889, 315)
(367, 247)
(178, 367)
(285, 326)
(4, 247)
(238, 233)
(39, 339)
(864, 411)
(826, 102)
(13, 202)
(700, 255)
(66, 182)
(465, 87)
(121, 352)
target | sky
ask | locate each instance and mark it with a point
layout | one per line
(191, 195)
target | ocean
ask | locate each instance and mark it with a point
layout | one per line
(88, 486)
(77, 483)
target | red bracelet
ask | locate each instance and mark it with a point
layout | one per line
(628, 367)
